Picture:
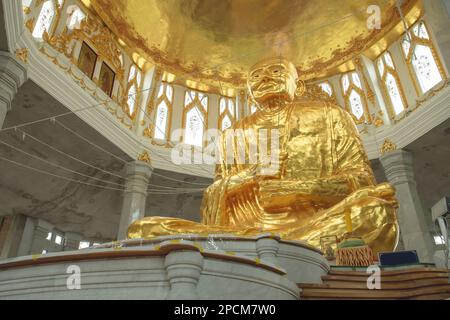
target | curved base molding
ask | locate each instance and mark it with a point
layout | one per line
(168, 269)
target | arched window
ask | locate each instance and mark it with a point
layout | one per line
(422, 58)
(134, 84)
(44, 20)
(195, 117)
(354, 97)
(163, 112)
(227, 113)
(75, 17)
(390, 82)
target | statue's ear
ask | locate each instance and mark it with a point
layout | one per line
(301, 88)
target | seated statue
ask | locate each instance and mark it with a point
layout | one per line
(323, 185)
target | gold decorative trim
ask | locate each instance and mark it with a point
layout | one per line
(22, 55)
(370, 95)
(82, 83)
(388, 147)
(145, 157)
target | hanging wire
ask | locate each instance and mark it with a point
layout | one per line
(59, 176)
(59, 166)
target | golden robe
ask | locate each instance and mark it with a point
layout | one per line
(325, 185)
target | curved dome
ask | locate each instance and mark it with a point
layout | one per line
(220, 40)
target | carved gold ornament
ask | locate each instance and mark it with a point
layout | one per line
(388, 147)
(22, 55)
(145, 157)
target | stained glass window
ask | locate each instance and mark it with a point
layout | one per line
(227, 113)
(44, 20)
(195, 115)
(354, 96)
(422, 59)
(134, 84)
(163, 111)
(390, 83)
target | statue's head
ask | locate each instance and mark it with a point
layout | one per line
(274, 78)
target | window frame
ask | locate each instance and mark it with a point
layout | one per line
(158, 101)
(366, 118)
(130, 83)
(226, 112)
(192, 105)
(415, 40)
(382, 81)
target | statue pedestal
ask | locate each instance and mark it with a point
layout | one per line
(194, 267)
(302, 262)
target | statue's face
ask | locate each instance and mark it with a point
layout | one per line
(273, 79)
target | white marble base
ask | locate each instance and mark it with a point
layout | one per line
(173, 269)
(302, 262)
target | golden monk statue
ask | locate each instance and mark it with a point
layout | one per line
(323, 184)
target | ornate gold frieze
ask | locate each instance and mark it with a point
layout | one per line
(106, 103)
(388, 146)
(92, 31)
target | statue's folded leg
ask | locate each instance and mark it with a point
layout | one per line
(369, 217)
(162, 226)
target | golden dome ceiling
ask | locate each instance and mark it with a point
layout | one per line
(218, 40)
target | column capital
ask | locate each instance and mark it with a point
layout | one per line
(13, 74)
(398, 166)
(138, 168)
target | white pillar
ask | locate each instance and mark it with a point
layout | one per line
(12, 236)
(26, 236)
(398, 166)
(133, 207)
(12, 75)
(183, 271)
